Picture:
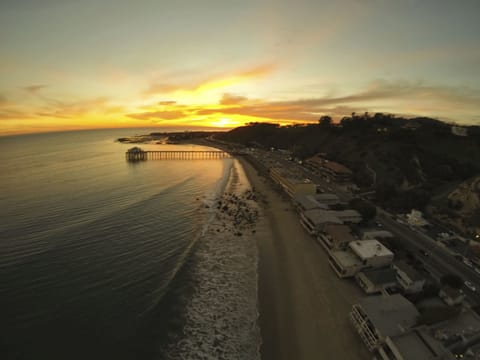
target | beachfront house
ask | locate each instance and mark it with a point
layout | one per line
(360, 255)
(409, 279)
(414, 344)
(377, 280)
(335, 237)
(315, 201)
(308, 202)
(331, 169)
(461, 333)
(377, 317)
(314, 220)
(291, 183)
(348, 216)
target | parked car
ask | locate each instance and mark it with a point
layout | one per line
(470, 286)
(477, 270)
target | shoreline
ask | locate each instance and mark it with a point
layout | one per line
(221, 315)
(303, 306)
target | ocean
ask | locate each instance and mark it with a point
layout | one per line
(101, 258)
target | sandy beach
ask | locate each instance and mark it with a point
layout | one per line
(303, 305)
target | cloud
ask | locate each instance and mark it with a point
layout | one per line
(34, 89)
(73, 109)
(3, 100)
(231, 99)
(373, 98)
(175, 81)
(167, 102)
(12, 114)
(159, 115)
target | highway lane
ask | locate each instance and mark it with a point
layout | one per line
(440, 261)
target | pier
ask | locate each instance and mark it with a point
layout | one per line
(137, 154)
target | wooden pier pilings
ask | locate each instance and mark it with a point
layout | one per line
(137, 154)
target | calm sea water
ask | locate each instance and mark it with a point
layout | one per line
(93, 248)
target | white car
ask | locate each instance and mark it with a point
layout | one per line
(470, 286)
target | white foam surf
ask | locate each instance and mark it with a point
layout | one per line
(221, 317)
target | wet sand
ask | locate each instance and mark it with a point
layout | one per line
(303, 305)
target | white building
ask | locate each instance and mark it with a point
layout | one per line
(360, 255)
(415, 218)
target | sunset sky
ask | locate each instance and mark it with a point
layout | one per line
(68, 64)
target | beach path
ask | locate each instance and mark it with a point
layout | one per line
(303, 305)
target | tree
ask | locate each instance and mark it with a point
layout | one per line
(325, 121)
(365, 208)
(452, 280)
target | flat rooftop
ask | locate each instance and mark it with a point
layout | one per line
(326, 197)
(319, 217)
(376, 234)
(466, 323)
(345, 258)
(308, 202)
(413, 274)
(390, 315)
(347, 213)
(366, 249)
(338, 233)
(418, 344)
(381, 276)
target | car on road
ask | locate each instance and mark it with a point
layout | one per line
(424, 253)
(470, 286)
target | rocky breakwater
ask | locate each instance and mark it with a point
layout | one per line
(221, 318)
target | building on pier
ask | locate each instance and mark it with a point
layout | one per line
(136, 154)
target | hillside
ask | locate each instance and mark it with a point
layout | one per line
(407, 161)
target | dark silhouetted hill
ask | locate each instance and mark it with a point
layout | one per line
(412, 159)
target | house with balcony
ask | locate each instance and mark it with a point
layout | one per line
(415, 344)
(360, 255)
(376, 318)
(331, 169)
(377, 280)
(409, 279)
(315, 220)
(292, 184)
(335, 237)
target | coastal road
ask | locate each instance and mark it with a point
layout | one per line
(440, 260)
